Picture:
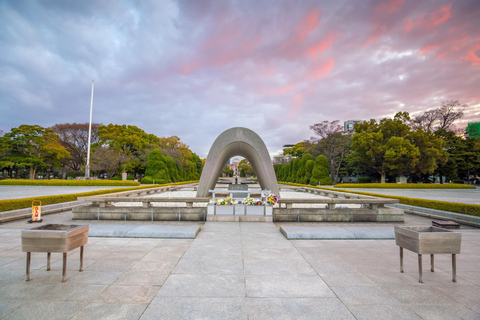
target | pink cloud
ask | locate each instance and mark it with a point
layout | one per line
(389, 6)
(323, 45)
(427, 48)
(381, 15)
(321, 70)
(308, 23)
(472, 55)
(296, 105)
(440, 16)
(429, 21)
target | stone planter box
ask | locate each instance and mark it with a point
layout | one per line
(255, 210)
(54, 238)
(428, 240)
(224, 209)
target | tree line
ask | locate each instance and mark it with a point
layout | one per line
(417, 147)
(30, 151)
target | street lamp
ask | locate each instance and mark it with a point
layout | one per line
(467, 135)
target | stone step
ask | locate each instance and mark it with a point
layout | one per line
(336, 232)
(144, 231)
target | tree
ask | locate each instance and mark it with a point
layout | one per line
(326, 128)
(131, 141)
(449, 112)
(332, 144)
(227, 172)
(245, 168)
(297, 150)
(31, 147)
(108, 161)
(440, 118)
(432, 152)
(156, 167)
(74, 137)
(320, 172)
(384, 146)
(455, 148)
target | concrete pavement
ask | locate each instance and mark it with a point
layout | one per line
(237, 271)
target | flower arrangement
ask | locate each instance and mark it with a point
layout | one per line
(272, 199)
(224, 202)
(254, 202)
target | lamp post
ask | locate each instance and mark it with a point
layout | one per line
(467, 135)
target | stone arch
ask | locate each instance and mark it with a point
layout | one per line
(238, 142)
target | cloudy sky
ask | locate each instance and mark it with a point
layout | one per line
(196, 68)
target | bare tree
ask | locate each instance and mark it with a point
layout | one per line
(107, 160)
(440, 118)
(326, 128)
(332, 144)
(449, 112)
(74, 137)
(426, 121)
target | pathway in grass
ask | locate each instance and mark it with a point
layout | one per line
(470, 196)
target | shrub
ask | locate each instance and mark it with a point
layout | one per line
(146, 180)
(320, 172)
(73, 174)
(364, 180)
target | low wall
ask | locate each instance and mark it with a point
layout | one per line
(287, 210)
(139, 213)
(337, 215)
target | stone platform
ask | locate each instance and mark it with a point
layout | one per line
(337, 232)
(144, 231)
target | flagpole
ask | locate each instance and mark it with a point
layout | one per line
(87, 167)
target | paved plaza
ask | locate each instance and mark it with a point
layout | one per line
(237, 271)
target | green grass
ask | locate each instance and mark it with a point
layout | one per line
(405, 186)
(89, 183)
(14, 204)
(464, 208)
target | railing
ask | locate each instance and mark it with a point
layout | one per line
(146, 202)
(230, 192)
(372, 203)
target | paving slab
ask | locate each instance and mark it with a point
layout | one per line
(144, 231)
(337, 232)
(239, 270)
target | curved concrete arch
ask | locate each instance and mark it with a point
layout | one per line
(238, 142)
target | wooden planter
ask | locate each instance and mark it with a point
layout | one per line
(55, 238)
(428, 240)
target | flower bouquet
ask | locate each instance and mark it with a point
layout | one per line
(254, 202)
(272, 199)
(224, 202)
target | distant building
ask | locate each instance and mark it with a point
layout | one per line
(348, 125)
(287, 146)
(234, 166)
(281, 159)
(473, 129)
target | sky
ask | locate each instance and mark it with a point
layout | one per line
(197, 68)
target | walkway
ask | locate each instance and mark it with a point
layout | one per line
(471, 196)
(18, 192)
(237, 271)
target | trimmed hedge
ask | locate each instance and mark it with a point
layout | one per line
(464, 208)
(405, 186)
(14, 204)
(90, 183)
